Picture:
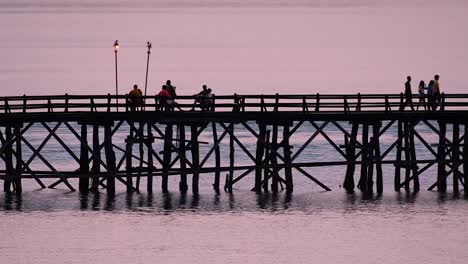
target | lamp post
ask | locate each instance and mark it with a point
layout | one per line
(148, 45)
(116, 50)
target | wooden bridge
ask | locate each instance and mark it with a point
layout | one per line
(269, 119)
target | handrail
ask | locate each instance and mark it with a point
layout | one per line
(344, 103)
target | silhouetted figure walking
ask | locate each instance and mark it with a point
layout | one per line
(408, 94)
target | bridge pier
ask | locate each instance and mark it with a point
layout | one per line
(217, 158)
(110, 159)
(456, 156)
(84, 160)
(183, 186)
(96, 168)
(8, 156)
(149, 145)
(196, 159)
(350, 146)
(259, 156)
(167, 151)
(287, 160)
(441, 173)
(129, 157)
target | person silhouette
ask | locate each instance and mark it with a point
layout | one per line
(135, 98)
(408, 94)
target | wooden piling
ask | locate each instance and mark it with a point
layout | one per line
(183, 186)
(129, 158)
(377, 157)
(196, 158)
(397, 179)
(96, 159)
(414, 165)
(231, 157)
(141, 139)
(9, 170)
(369, 188)
(149, 144)
(465, 158)
(287, 160)
(273, 159)
(19, 160)
(441, 177)
(259, 157)
(266, 172)
(217, 158)
(408, 164)
(84, 160)
(110, 159)
(350, 158)
(364, 157)
(456, 156)
(166, 156)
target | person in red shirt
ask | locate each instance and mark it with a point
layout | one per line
(164, 98)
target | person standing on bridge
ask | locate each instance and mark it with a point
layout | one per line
(135, 98)
(436, 88)
(408, 94)
(430, 96)
(422, 95)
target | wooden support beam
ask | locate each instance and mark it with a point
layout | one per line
(84, 160)
(149, 145)
(378, 160)
(287, 159)
(140, 139)
(406, 147)
(217, 158)
(441, 173)
(456, 156)
(166, 156)
(195, 158)
(397, 179)
(274, 161)
(110, 158)
(259, 157)
(9, 169)
(128, 156)
(414, 165)
(183, 186)
(19, 160)
(350, 154)
(230, 177)
(362, 184)
(96, 168)
(465, 158)
(266, 171)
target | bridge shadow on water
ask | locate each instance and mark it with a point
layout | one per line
(237, 202)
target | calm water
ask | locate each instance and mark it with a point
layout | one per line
(233, 46)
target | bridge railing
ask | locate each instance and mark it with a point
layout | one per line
(346, 103)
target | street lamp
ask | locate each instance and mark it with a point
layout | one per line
(148, 45)
(116, 50)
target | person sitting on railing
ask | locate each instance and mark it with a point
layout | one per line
(201, 98)
(207, 100)
(422, 95)
(136, 98)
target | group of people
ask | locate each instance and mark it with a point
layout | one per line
(167, 97)
(431, 92)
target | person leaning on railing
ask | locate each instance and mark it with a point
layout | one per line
(164, 99)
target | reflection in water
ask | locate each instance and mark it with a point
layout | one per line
(224, 202)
